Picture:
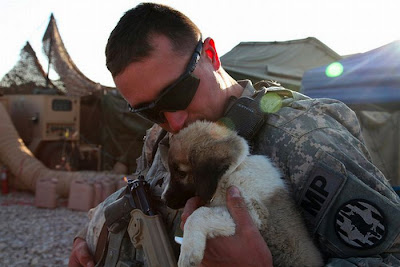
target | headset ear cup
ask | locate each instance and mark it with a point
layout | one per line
(245, 115)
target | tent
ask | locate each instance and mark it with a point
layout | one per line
(371, 78)
(284, 62)
(370, 84)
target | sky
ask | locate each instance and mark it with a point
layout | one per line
(346, 26)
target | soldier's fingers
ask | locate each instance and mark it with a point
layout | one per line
(191, 205)
(238, 209)
(80, 255)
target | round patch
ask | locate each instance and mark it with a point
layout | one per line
(360, 224)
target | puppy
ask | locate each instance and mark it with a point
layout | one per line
(204, 160)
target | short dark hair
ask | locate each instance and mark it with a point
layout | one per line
(130, 40)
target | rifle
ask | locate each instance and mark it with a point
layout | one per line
(133, 213)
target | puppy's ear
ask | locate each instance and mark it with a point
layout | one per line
(207, 169)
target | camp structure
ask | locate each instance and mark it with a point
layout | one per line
(70, 130)
(104, 119)
(284, 62)
(369, 83)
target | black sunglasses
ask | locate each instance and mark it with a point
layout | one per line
(176, 96)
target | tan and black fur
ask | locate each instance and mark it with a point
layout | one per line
(204, 160)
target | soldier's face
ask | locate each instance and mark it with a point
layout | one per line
(142, 82)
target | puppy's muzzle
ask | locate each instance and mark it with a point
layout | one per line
(176, 195)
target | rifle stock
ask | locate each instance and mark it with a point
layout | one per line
(148, 233)
(146, 228)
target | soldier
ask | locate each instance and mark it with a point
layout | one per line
(169, 75)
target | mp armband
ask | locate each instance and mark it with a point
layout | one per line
(349, 218)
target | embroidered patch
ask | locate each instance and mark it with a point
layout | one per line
(322, 187)
(360, 224)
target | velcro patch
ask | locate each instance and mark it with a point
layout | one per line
(349, 217)
(321, 189)
(360, 224)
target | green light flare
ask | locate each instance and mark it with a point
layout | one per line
(270, 103)
(334, 69)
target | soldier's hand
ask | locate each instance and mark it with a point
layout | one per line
(80, 255)
(245, 248)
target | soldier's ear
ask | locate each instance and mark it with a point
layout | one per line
(207, 169)
(211, 52)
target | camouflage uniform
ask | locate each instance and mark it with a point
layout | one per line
(348, 204)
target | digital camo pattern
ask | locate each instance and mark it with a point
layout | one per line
(97, 220)
(291, 137)
(386, 260)
(307, 133)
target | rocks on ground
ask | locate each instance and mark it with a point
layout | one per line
(31, 236)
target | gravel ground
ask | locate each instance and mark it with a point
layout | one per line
(31, 236)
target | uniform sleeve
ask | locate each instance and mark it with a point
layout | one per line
(82, 233)
(328, 133)
(347, 202)
(349, 206)
(147, 156)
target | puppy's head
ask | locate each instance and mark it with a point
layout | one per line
(198, 157)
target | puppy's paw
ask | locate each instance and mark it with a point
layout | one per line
(190, 258)
(192, 251)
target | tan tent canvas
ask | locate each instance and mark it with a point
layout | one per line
(284, 62)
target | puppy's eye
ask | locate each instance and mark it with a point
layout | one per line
(180, 173)
(180, 170)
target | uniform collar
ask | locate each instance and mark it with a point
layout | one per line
(247, 85)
